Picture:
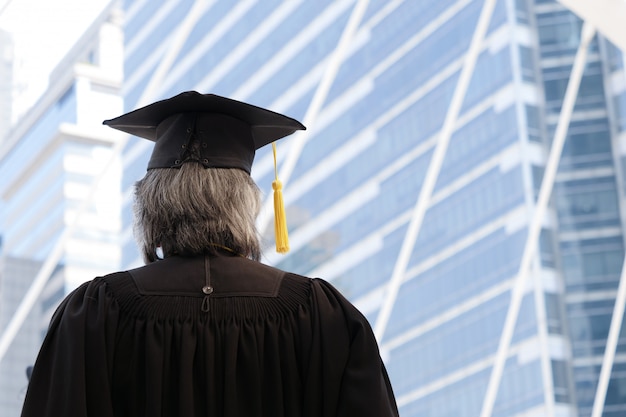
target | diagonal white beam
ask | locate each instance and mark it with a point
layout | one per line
(38, 284)
(434, 168)
(611, 345)
(328, 77)
(534, 229)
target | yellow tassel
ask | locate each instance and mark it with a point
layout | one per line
(280, 219)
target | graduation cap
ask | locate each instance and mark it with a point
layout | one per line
(226, 134)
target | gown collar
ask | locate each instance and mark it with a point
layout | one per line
(227, 276)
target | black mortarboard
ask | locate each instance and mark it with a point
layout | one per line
(228, 131)
(225, 132)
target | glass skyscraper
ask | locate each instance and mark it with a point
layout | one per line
(374, 89)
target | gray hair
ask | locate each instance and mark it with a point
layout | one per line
(194, 210)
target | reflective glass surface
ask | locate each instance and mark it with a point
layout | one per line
(393, 90)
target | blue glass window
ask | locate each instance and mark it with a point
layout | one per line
(546, 248)
(554, 316)
(439, 50)
(587, 145)
(589, 327)
(397, 194)
(588, 203)
(537, 172)
(454, 344)
(521, 11)
(39, 135)
(211, 18)
(468, 394)
(311, 54)
(521, 389)
(469, 272)
(475, 142)
(152, 42)
(373, 271)
(373, 7)
(561, 375)
(389, 34)
(420, 120)
(615, 56)
(619, 103)
(590, 93)
(559, 33)
(478, 203)
(498, 17)
(491, 72)
(527, 63)
(141, 18)
(534, 123)
(593, 264)
(586, 379)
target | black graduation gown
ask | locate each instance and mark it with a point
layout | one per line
(150, 342)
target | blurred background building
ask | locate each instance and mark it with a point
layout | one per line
(48, 162)
(429, 240)
(6, 81)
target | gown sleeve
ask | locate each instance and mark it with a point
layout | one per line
(353, 376)
(72, 373)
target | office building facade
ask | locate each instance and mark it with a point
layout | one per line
(373, 82)
(6, 79)
(49, 162)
